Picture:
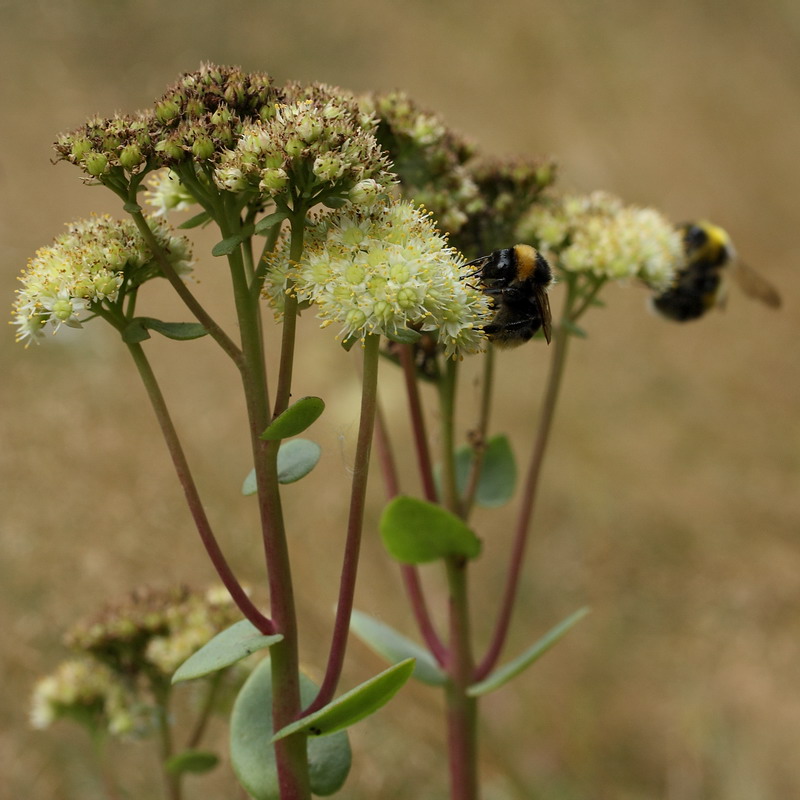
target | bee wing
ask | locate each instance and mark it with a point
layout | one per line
(753, 285)
(543, 302)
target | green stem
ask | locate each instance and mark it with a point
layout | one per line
(192, 496)
(104, 764)
(172, 783)
(290, 753)
(355, 524)
(410, 573)
(447, 400)
(531, 485)
(418, 423)
(283, 392)
(191, 302)
(207, 708)
(461, 709)
(479, 435)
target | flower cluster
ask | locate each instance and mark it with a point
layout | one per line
(386, 270)
(90, 693)
(598, 234)
(197, 118)
(428, 158)
(93, 263)
(153, 632)
(318, 144)
(506, 189)
(126, 658)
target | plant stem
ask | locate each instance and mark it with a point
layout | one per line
(290, 753)
(191, 302)
(204, 716)
(479, 435)
(172, 783)
(409, 572)
(462, 740)
(284, 390)
(447, 401)
(418, 423)
(192, 496)
(355, 524)
(530, 487)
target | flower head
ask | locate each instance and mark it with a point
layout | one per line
(86, 267)
(600, 235)
(88, 692)
(317, 143)
(154, 631)
(429, 159)
(386, 270)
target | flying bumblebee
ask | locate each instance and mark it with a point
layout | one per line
(516, 279)
(701, 285)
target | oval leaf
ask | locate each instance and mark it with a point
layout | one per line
(180, 331)
(195, 761)
(353, 706)
(415, 531)
(226, 648)
(295, 419)
(532, 654)
(227, 246)
(249, 486)
(296, 459)
(195, 221)
(404, 335)
(135, 331)
(252, 753)
(498, 476)
(395, 647)
(265, 223)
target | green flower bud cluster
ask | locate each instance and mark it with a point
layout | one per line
(385, 269)
(429, 159)
(91, 264)
(102, 147)
(598, 234)
(506, 190)
(316, 146)
(197, 118)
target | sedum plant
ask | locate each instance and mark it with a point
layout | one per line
(317, 196)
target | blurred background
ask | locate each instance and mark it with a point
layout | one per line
(670, 496)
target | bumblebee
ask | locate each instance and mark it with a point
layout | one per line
(701, 285)
(516, 279)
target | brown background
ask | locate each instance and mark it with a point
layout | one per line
(670, 498)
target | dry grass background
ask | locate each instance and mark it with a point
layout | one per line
(670, 500)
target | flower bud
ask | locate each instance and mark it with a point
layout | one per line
(96, 163)
(131, 156)
(202, 148)
(167, 110)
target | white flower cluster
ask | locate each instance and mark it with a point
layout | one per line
(91, 263)
(597, 233)
(89, 691)
(385, 270)
(306, 145)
